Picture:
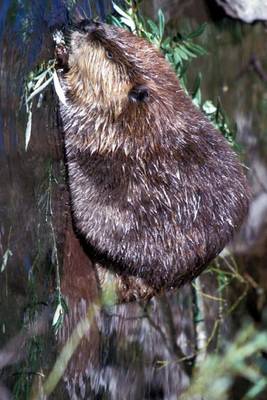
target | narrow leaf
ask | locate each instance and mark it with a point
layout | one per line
(128, 22)
(161, 23)
(120, 11)
(40, 79)
(197, 32)
(8, 253)
(28, 129)
(40, 88)
(58, 89)
(196, 95)
(58, 314)
(209, 107)
(154, 28)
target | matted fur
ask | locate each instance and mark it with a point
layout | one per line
(156, 190)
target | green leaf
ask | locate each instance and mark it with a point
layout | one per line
(166, 44)
(39, 89)
(183, 54)
(161, 23)
(120, 11)
(177, 56)
(40, 78)
(28, 128)
(196, 95)
(188, 49)
(8, 253)
(125, 18)
(197, 32)
(58, 315)
(198, 50)
(115, 21)
(154, 28)
(58, 89)
(169, 58)
(258, 388)
(183, 70)
(208, 107)
(129, 22)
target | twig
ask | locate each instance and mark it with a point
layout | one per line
(258, 68)
(172, 334)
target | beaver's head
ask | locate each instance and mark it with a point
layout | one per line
(109, 66)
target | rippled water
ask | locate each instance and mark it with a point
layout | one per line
(131, 351)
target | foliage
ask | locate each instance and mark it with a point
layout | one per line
(46, 208)
(7, 254)
(215, 377)
(219, 119)
(30, 369)
(179, 49)
(34, 347)
(35, 85)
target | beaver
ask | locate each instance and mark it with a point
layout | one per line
(156, 191)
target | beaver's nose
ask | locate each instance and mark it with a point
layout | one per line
(88, 26)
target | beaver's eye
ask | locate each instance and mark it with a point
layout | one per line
(109, 54)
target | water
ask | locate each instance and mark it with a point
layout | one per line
(133, 351)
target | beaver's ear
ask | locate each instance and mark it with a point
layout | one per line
(139, 93)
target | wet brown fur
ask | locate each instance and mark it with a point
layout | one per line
(156, 190)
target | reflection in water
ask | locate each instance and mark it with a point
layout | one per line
(132, 351)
